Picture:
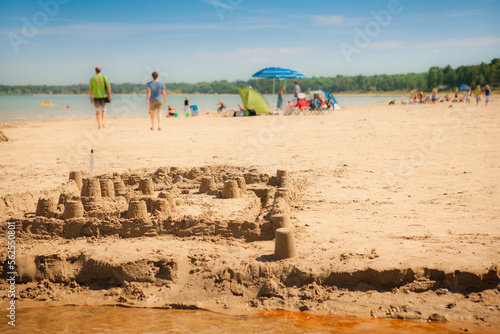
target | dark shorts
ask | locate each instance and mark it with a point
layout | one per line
(100, 102)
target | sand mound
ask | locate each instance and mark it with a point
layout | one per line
(3, 137)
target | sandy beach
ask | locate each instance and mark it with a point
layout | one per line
(394, 211)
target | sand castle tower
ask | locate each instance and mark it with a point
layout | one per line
(120, 188)
(231, 189)
(170, 198)
(76, 176)
(137, 209)
(91, 188)
(280, 173)
(242, 184)
(46, 207)
(161, 208)
(207, 185)
(73, 209)
(146, 186)
(284, 246)
(280, 220)
(107, 188)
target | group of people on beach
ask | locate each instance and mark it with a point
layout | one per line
(156, 97)
(433, 98)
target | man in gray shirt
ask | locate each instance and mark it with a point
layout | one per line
(296, 90)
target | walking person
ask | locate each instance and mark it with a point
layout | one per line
(487, 93)
(467, 97)
(434, 96)
(99, 86)
(477, 92)
(155, 90)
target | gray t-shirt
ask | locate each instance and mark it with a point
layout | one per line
(296, 90)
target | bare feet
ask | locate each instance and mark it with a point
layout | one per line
(159, 129)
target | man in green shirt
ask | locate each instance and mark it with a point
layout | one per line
(99, 85)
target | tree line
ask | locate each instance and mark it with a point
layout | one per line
(444, 78)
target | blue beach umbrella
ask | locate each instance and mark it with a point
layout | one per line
(278, 72)
(463, 87)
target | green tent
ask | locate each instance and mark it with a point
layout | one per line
(252, 99)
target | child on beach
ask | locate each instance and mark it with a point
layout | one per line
(171, 111)
(477, 92)
(434, 96)
(467, 97)
(187, 109)
(487, 92)
(222, 105)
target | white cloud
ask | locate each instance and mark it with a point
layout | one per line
(337, 20)
(114, 29)
(333, 20)
(217, 4)
(450, 43)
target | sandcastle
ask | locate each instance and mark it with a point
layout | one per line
(223, 201)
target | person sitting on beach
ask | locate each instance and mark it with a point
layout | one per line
(477, 92)
(448, 98)
(393, 102)
(251, 111)
(171, 111)
(222, 105)
(323, 104)
(302, 104)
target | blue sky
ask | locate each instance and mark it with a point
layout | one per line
(61, 41)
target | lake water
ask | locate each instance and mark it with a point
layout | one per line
(109, 319)
(28, 108)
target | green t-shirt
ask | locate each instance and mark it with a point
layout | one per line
(97, 85)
